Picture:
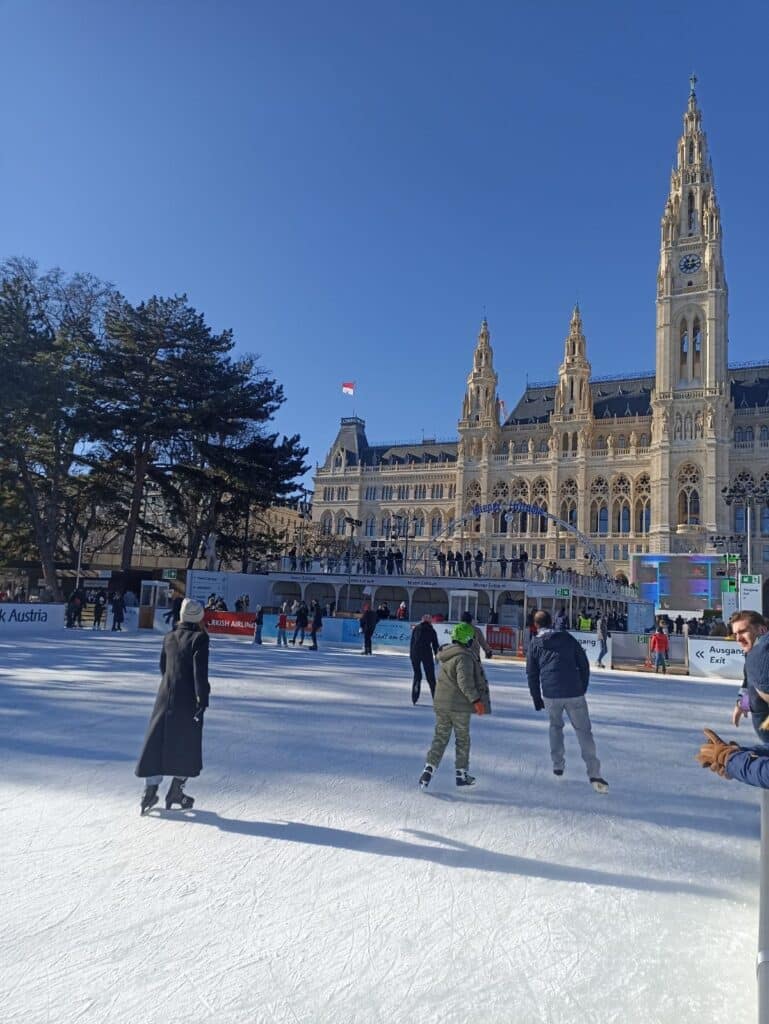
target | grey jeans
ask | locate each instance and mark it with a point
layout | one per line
(579, 716)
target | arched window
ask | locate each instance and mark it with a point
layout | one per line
(739, 435)
(684, 349)
(644, 441)
(688, 496)
(419, 524)
(740, 519)
(370, 527)
(691, 153)
(749, 435)
(341, 525)
(642, 515)
(697, 348)
(568, 509)
(763, 434)
(325, 523)
(386, 525)
(764, 521)
(436, 524)
(603, 520)
(692, 214)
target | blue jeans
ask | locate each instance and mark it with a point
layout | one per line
(602, 650)
(659, 661)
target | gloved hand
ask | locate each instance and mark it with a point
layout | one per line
(715, 753)
(488, 654)
(197, 718)
(479, 708)
(539, 705)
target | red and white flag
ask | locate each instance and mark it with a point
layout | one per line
(348, 387)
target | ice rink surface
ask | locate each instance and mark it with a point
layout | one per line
(313, 882)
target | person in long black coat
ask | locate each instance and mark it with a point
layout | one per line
(424, 644)
(174, 741)
(368, 621)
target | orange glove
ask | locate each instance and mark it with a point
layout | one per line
(715, 753)
(479, 708)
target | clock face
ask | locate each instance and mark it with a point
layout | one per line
(690, 264)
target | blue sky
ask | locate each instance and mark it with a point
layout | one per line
(351, 186)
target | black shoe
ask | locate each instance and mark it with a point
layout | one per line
(426, 776)
(176, 795)
(599, 785)
(149, 798)
(558, 771)
(463, 779)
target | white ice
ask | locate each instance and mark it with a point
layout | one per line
(314, 882)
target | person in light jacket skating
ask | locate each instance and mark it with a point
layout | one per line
(460, 691)
(174, 741)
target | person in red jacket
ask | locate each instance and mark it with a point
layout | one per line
(659, 645)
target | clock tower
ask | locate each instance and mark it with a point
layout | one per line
(691, 285)
(691, 402)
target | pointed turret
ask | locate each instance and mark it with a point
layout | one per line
(480, 402)
(573, 399)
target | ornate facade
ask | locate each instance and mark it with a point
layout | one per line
(637, 464)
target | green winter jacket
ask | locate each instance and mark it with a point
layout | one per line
(461, 680)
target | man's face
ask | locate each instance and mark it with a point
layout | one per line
(746, 634)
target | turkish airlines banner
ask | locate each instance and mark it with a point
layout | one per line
(230, 623)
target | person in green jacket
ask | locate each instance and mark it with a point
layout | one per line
(461, 690)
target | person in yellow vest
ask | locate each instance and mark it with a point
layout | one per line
(585, 623)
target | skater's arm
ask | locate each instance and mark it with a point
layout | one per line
(466, 679)
(200, 669)
(583, 665)
(532, 674)
(745, 766)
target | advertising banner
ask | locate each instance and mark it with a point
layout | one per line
(30, 619)
(712, 656)
(230, 623)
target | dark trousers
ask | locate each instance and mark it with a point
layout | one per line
(424, 661)
(367, 635)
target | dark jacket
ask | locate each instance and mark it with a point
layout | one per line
(368, 621)
(424, 640)
(174, 742)
(302, 616)
(556, 666)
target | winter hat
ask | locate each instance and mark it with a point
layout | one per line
(191, 611)
(463, 633)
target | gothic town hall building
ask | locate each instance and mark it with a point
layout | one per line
(635, 463)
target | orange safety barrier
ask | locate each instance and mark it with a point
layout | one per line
(500, 638)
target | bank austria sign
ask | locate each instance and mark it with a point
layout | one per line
(31, 618)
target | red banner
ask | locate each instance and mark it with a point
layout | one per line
(230, 623)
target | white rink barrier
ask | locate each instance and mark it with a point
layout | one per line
(30, 619)
(591, 647)
(714, 656)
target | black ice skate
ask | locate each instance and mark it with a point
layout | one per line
(176, 795)
(149, 798)
(464, 779)
(426, 776)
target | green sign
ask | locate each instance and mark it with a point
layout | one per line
(728, 586)
(169, 574)
(562, 592)
(750, 579)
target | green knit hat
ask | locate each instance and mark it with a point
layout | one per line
(463, 633)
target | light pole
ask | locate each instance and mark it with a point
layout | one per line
(745, 492)
(352, 523)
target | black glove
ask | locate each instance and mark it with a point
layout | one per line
(197, 718)
(539, 705)
(488, 654)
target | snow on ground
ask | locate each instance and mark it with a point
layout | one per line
(313, 882)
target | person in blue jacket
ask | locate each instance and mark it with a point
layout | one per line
(558, 673)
